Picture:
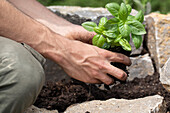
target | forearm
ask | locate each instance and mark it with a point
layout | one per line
(21, 28)
(40, 13)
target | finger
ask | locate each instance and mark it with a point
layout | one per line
(118, 57)
(93, 81)
(116, 72)
(105, 79)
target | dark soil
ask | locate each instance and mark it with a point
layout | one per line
(60, 95)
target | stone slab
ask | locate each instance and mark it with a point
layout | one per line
(165, 75)
(141, 67)
(151, 104)
(158, 38)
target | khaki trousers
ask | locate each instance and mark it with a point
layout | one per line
(21, 76)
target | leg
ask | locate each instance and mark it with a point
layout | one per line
(21, 76)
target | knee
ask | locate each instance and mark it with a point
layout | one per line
(21, 74)
(17, 60)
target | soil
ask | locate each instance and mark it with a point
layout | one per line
(60, 95)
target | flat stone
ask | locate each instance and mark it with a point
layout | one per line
(78, 15)
(141, 67)
(151, 104)
(158, 38)
(165, 75)
(34, 109)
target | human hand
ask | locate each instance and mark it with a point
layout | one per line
(75, 32)
(89, 63)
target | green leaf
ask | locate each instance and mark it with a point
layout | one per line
(113, 21)
(109, 40)
(111, 27)
(127, 38)
(95, 39)
(118, 39)
(125, 44)
(140, 16)
(130, 17)
(103, 20)
(123, 12)
(129, 9)
(110, 34)
(137, 40)
(113, 8)
(101, 41)
(137, 28)
(124, 29)
(98, 30)
(89, 26)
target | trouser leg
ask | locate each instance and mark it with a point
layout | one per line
(21, 76)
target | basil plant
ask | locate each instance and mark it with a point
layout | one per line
(117, 31)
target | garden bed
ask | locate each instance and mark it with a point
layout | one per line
(60, 95)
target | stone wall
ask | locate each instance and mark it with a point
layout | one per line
(158, 38)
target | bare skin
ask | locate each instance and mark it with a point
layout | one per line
(57, 24)
(81, 61)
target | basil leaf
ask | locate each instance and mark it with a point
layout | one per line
(89, 26)
(103, 20)
(124, 29)
(123, 12)
(110, 34)
(130, 17)
(125, 44)
(98, 30)
(113, 21)
(113, 8)
(137, 40)
(109, 40)
(129, 9)
(95, 39)
(101, 41)
(137, 28)
(111, 27)
(117, 39)
(139, 16)
(127, 38)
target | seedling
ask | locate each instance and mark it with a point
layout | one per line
(117, 31)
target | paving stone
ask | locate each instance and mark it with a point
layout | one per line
(151, 104)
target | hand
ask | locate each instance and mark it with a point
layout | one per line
(75, 32)
(91, 64)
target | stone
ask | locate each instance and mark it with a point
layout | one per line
(54, 72)
(158, 38)
(141, 67)
(34, 109)
(150, 104)
(165, 75)
(78, 15)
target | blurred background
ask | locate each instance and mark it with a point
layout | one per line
(147, 6)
